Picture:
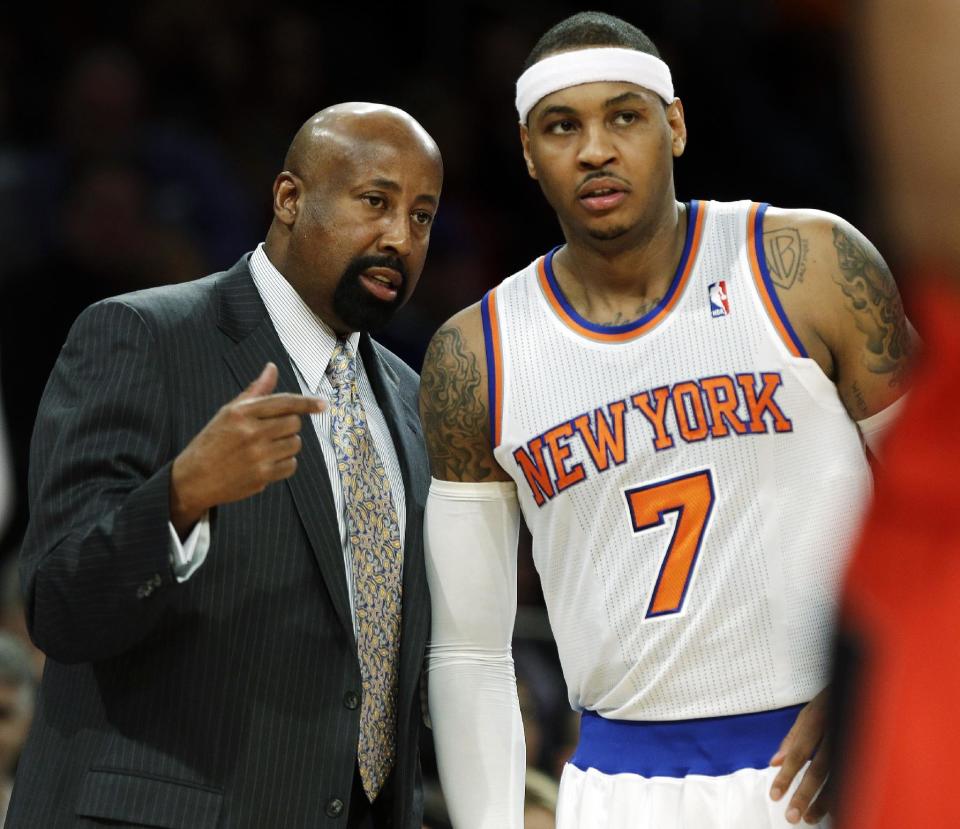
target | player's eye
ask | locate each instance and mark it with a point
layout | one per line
(374, 200)
(626, 118)
(562, 127)
(422, 217)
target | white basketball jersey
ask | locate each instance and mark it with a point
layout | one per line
(691, 479)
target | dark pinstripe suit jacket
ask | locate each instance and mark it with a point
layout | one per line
(225, 701)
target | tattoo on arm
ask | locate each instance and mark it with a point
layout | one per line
(786, 254)
(859, 400)
(874, 302)
(454, 418)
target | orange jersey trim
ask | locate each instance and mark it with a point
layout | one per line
(625, 333)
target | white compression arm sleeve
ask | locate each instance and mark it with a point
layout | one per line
(876, 427)
(470, 543)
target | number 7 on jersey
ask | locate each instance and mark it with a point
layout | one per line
(691, 497)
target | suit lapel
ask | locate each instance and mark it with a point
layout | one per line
(243, 316)
(404, 426)
(402, 421)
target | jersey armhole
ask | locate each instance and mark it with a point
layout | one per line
(491, 338)
(765, 287)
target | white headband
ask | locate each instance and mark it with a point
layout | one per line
(589, 66)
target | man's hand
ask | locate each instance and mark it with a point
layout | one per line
(251, 442)
(806, 737)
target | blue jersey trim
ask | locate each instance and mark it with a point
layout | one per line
(713, 746)
(768, 281)
(693, 209)
(491, 367)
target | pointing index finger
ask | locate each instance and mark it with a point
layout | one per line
(278, 405)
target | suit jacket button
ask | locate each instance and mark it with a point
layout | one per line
(351, 700)
(151, 584)
(334, 807)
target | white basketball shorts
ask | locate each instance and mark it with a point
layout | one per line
(689, 774)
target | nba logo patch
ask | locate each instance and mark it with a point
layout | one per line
(719, 303)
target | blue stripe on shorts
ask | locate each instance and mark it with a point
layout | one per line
(713, 746)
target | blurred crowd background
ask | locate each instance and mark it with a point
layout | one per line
(138, 146)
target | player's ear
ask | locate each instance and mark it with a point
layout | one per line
(525, 142)
(678, 127)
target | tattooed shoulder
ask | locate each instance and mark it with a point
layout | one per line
(786, 254)
(874, 302)
(453, 409)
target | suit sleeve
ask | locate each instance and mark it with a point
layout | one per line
(95, 563)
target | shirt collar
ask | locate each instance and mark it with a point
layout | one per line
(307, 339)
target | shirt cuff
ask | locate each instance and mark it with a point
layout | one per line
(186, 557)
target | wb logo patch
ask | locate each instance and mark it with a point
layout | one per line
(719, 301)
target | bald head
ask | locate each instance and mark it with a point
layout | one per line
(343, 129)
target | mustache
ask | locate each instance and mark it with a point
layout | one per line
(601, 174)
(362, 263)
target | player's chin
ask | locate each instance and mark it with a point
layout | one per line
(608, 232)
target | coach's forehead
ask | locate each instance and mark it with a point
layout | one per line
(358, 131)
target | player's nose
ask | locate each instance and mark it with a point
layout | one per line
(596, 148)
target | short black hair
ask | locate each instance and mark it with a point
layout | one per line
(586, 29)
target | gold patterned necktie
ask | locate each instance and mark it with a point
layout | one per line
(374, 533)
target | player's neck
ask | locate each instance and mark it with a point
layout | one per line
(611, 282)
